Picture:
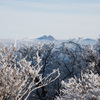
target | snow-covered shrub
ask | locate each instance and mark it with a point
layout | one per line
(85, 88)
(48, 54)
(18, 77)
(73, 58)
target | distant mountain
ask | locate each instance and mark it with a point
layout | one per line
(51, 38)
(88, 39)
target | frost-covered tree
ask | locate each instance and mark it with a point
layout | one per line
(47, 54)
(85, 88)
(70, 57)
(74, 58)
(18, 77)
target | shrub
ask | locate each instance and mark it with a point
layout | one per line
(85, 88)
(18, 77)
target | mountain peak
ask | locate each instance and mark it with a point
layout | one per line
(44, 36)
(51, 38)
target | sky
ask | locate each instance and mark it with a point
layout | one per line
(63, 19)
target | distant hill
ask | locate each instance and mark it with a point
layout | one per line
(88, 39)
(51, 38)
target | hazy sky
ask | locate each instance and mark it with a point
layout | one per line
(62, 19)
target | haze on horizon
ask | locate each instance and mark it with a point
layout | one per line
(63, 19)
